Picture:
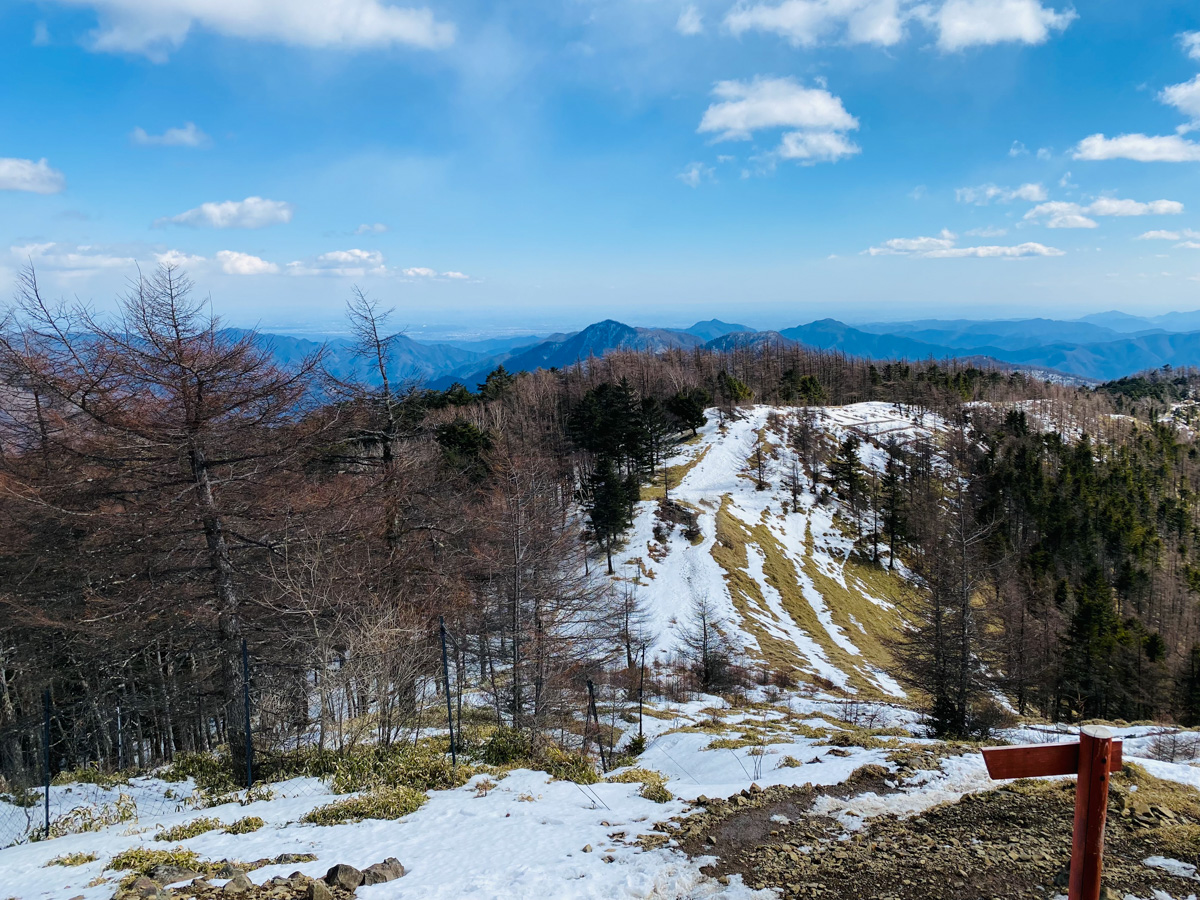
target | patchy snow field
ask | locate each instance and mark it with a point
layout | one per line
(780, 575)
(789, 590)
(525, 837)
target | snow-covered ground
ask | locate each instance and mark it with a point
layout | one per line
(526, 835)
(803, 591)
(784, 580)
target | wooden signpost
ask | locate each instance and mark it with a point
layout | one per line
(1093, 759)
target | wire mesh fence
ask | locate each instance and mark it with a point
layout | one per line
(291, 728)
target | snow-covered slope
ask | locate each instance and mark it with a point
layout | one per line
(783, 578)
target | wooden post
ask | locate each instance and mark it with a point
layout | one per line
(1093, 759)
(1091, 809)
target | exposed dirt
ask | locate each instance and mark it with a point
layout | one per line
(1013, 842)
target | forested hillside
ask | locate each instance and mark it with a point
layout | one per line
(167, 491)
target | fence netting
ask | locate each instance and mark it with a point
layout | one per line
(84, 764)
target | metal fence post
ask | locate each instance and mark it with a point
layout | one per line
(246, 698)
(446, 677)
(120, 743)
(46, 758)
(599, 728)
(641, 688)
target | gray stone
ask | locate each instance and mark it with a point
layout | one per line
(169, 874)
(317, 890)
(381, 872)
(344, 876)
(238, 884)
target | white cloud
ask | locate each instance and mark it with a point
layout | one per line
(944, 246)
(41, 34)
(1060, 214)
(1190, 245)
(1044, 153)
(810, 147)
(695, 173)
(27, 175)
(71, 258)
(253, 212)
(178, 258)
(808, 22)
(457, 276)
(1159, 236)
(419, 272)
(187, 136)
(746, 106)
(986, 193)
(1191, 43)
(1139, 147)
(366, 228)
(344, 263)
(988, 231)
(1185, 97)
(1018, 149)
(690, 22)
(154, 27)
(1111, 206)
(815, 117)
(969, 23)
(234, 263)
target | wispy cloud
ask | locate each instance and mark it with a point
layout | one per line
(694, 173)
(690, 22)
(1060, 214)
(187, 136)
(945, 246)
(985, 193)
(253, 212)
(155, 27)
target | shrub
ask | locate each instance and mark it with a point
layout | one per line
(141, 860)
(636, 745)
(212, 772)
(654, 784)
(505, 746)
(188, 830)
(425, 767)
(90, 775)
(382, 803)
(94, 818)
(567, 766)
(245, 825)
(73, 859)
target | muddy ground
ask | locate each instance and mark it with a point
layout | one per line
(1013, 842)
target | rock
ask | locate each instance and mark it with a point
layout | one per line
(382, 872)
(317, 890)
(144, 887)
(587, 848)
(169, 874)
(229, 870)
(344, 876)
(238, 884)
(298, 880)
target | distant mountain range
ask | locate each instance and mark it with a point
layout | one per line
(1098, 347)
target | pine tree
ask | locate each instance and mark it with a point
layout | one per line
(688, 406)
(610, 505)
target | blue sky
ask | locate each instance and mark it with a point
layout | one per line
(546, 164)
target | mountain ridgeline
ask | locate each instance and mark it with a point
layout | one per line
(1109, 348)
(173, 497)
